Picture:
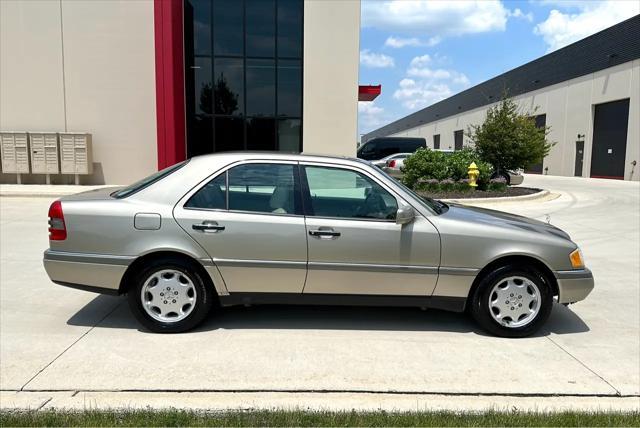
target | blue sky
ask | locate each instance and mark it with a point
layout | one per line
(425, 51)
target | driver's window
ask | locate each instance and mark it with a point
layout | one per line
(336, 192)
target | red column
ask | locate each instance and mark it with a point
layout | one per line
(170, 104)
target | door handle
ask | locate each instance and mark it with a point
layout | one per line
(208, 226)
(324, 232)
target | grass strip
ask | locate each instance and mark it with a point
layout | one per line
(280, 418)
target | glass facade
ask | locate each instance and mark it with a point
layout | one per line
(243, 75)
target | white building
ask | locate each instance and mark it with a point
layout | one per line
(157, 81)
(587, 92)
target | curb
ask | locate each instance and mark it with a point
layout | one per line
(538, 195)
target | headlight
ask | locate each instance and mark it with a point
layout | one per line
(577, 261)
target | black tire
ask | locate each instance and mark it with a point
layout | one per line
(504, 175)
(204, 297)
(481, 312)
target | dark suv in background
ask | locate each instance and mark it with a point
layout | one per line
(379, 148)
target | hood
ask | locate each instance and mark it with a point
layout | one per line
(502, 219)
(91, 195)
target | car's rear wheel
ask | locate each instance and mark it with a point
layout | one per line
(505, 176)
(512, 301)
(169, 296)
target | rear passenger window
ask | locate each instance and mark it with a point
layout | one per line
(212, 196)
(266, 188)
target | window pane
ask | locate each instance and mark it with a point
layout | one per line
(211, 196)
(289, 135)
(261, 28)
(229, 134)
(261, 87)
(203, 97)
(261, 134)
(200, 135)
(199, 107)
(228, 28)
(265, 188)
(198, 25)
(289, 88)
(338, 192)
(228, 86)
(290, 28)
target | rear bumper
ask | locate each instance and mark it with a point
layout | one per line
(90, 272)
(393, 172)
(515, 179)
(574, 285)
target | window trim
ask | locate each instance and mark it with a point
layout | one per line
(306, 193)
(225, 170)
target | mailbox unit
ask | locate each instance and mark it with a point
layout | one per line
(44, 152)
(75, 154)
(14, 149)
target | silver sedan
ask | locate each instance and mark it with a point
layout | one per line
(257, 228)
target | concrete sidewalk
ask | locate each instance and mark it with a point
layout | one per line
(75, 347)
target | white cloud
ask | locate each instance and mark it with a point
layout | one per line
(437, 18)
(420, 61)
(399, 42)
(561, 29)
(518, 13)
(375, 60)
(425, 85)
(370, 116)
(415, 95)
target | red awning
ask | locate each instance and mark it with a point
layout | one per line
(368, 92)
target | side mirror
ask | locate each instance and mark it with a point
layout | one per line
(405, 214)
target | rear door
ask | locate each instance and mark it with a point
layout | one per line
(249, 220)
(355, 245)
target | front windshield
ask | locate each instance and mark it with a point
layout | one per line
(434, 205)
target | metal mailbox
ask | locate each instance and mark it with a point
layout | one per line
(14, 151)
(75, 154)
(44, 152)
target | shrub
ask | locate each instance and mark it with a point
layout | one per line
(498, 184)
(428, 164)
(424, 164)
(463, 185)
(508, 139)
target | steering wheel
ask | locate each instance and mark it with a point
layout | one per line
(373, 204)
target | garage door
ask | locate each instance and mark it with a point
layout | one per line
(609, 139)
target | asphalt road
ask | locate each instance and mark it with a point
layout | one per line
(58, 339)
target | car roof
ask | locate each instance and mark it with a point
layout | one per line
(267, 155)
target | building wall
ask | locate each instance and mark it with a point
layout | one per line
(569, 107)
(82, 66)
(330, 82)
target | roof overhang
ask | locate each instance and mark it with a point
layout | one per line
(368, 92)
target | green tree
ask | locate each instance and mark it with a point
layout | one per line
(508, 139)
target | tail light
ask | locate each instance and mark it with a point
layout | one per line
(392, 164)
(57, 228)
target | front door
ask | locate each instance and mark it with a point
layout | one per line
(579, 158)
(249, 220)
(355, 245)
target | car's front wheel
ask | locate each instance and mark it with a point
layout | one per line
(169, 296)
(512, 301)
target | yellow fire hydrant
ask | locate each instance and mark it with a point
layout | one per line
(474, 172)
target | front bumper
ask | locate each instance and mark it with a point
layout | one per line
(574, 285)
(90, 272)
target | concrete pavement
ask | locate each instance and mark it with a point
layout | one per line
(56, 341)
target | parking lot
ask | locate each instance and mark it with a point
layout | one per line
(58, 339)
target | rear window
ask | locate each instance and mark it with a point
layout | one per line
(147, 181)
